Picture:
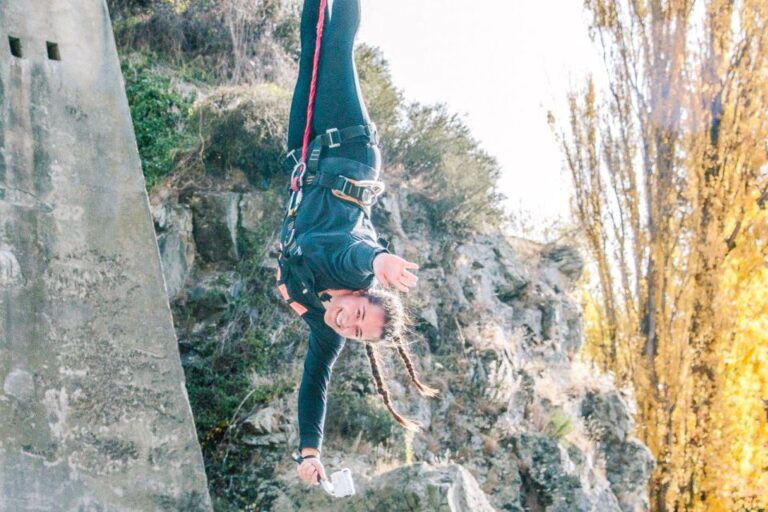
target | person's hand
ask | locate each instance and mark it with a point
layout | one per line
(309, 470)
(393, 270)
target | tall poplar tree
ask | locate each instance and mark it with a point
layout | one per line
(670, 175)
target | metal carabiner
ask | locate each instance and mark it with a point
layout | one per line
(298, 174)
(294, 202)
(372, 189)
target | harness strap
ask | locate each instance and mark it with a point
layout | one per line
(292, 262)
(331, 138)
(348, 180)
(334, 137)
(362, 193)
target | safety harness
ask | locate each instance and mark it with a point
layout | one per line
(348, 180)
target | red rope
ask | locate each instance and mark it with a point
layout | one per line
(312, 91)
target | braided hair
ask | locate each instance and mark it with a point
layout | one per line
(392, 335)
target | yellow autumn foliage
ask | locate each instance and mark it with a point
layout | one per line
(670, 173)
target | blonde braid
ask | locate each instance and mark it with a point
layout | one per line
(382, 389)
(424, 390)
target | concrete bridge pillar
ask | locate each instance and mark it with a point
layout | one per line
(94, 413)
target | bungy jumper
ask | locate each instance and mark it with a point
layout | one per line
(348, 180)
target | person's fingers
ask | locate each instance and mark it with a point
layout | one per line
(319, 471)
(322, 471)
(413, 276)
(401, 287)
(308, 473)
(410, 264)
(409, 280)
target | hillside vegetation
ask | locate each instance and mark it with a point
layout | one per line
(521, 423)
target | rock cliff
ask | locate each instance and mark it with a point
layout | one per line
(522, 422)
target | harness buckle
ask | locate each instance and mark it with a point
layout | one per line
(370, 190)
(373, 134)
(331, 132)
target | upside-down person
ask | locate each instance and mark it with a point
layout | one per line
(330, 254)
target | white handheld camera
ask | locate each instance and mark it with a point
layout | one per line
(341, 484)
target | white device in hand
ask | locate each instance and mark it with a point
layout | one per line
(341, 484)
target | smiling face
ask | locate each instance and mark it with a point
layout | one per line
(353, 316)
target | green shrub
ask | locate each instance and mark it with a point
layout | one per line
(449, 169)
(232, 43)
(220, 380)
(382, 99)
(216, 385)
(159, 117)
(243, 127)
(350, 413)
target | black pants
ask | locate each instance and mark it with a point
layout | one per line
(338, 100)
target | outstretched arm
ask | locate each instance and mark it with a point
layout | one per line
(355, 259)
(362, 258)
(324, 347)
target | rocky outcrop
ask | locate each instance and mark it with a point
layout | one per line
(446, 488)
(216, 216)
(627, 460)
(519, 412)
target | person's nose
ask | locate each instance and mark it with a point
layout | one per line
(350, 326)
(346, 322)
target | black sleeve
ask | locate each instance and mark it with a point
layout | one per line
(324, 347)
(355, 259)
(346, 259)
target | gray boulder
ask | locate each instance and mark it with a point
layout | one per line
(173, 226)
(628, 467)
(567, 260)
(215, 224)
(212, 295)
(554, 484)
(264, 421)
(628, 462)
(416, 488)
(252, 210)
(607, 415)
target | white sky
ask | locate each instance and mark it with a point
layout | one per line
(501, 64)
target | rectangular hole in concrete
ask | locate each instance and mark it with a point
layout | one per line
(15, 43)
(53, 50)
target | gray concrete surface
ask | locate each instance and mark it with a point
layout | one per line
(94, 413)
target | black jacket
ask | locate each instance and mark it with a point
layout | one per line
(338, 243)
